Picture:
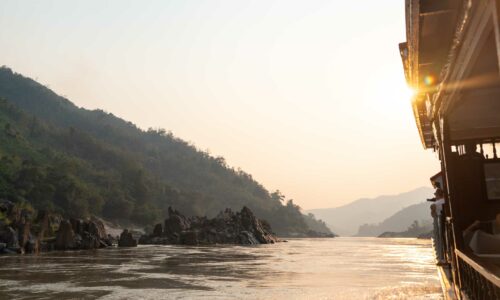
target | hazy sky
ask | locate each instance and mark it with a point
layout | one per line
(307, 96)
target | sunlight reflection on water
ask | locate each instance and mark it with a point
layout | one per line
(340, 268)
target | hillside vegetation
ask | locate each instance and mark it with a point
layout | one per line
(400, 221)
(55, 155)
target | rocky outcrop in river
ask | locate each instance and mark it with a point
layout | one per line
(127, 239)
(82, 234)
(227, 228)
(24, 231)
(19, 235)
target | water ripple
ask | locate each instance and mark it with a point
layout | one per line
(340, 268)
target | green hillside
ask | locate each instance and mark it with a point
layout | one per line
(78, 162)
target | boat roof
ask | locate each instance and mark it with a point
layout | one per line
(432, 31)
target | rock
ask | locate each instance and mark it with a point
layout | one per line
(10, 237)
(65, 238)
(6, 207)
(252, 224)
(110, 240)
(9, 209)
(89, 241)
(189, 238)
(47, 245)
(32, 245)
(246, 238)
(89, 234)
(126, 239)
(77, 225)
(158, 230)
(11, 251)
(24, 234)
(78, 241)
(175, 222)
(96, 227)
(225, 215)
(44, 228)
(227, 228)
(31, 237)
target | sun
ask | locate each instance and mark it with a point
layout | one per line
(408, 92)
(388, 93)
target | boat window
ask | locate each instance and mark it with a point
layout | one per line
(492, 178)
(490, 150)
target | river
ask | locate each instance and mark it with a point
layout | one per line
(339, 268)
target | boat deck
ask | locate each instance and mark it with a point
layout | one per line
(446, 282)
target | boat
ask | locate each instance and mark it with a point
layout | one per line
(451, 61)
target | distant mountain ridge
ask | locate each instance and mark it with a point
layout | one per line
(346, 220)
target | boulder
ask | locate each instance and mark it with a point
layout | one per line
(65, 238)
(158, 230)
(89, 234)
(10, 237)
(89, 241)
(126, 239)
(189, 237)
(247, 238)
(96, 228)
(175, 222)
(110, 240)
(252, 224)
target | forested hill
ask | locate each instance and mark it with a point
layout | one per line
(80, 162)
(400, 221)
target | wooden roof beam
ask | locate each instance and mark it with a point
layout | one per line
(437, 12)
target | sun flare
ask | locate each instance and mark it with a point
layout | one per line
(409, 92)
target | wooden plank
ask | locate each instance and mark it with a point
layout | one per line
(437, 12)
(446, 284)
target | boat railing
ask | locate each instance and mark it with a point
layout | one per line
(479, 277)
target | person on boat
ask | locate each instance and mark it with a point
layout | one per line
(471, 151)
(438, 221)
(437, 213)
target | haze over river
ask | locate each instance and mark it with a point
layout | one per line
(339, 268)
